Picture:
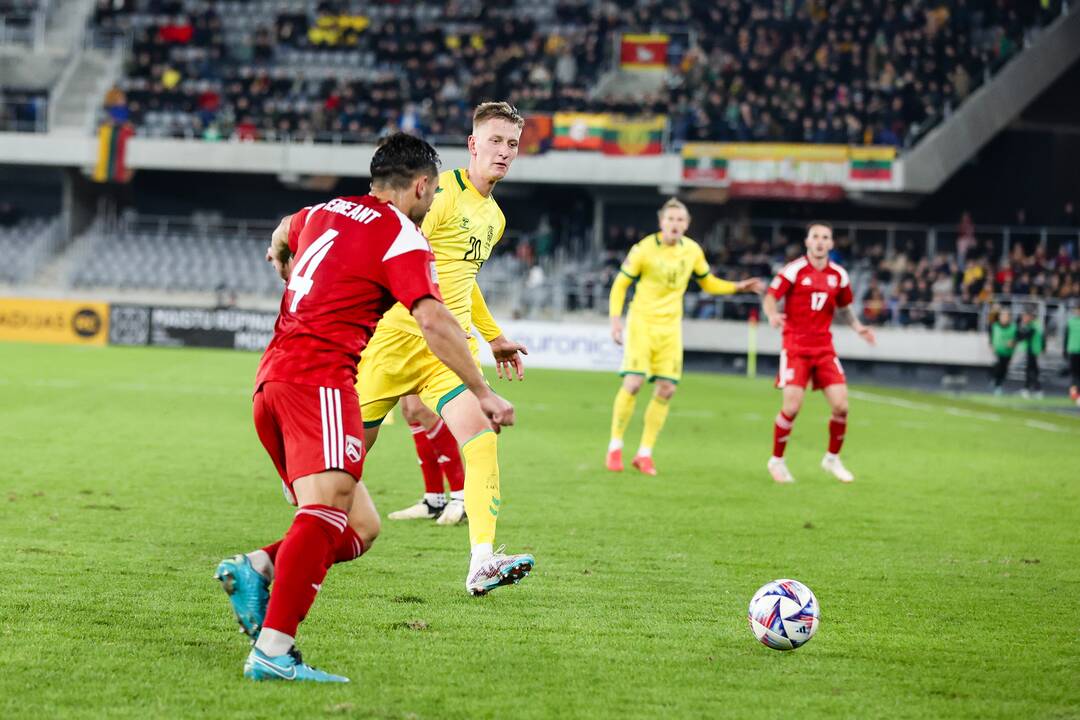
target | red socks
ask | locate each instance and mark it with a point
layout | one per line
(781, 432)
(300, 565)
(837, 428)
(429, 459)
(446, 447)
(350, 547)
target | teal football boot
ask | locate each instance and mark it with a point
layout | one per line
(260, 666)
(248, 592)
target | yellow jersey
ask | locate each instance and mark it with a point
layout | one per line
(462, 227)
(662, 273)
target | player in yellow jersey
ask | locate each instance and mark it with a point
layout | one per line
(661, 264)
(463, 225)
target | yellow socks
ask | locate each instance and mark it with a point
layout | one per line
(482, 498)
(621, 414)
(655, 415)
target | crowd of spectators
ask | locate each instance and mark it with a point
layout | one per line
(854, 71)
(850, 71)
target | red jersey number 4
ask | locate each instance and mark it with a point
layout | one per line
(301, 280)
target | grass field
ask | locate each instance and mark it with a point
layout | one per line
(946, 573)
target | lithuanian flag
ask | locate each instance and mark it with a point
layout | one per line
(634, 136)
(112, 148)
(580, 131)
(871, 163)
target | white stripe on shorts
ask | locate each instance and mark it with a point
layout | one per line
(325, 428)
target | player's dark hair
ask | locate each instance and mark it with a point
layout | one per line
(817, 223)
(400, 159)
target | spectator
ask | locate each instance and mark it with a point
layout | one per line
(1031, 339)
(1003, 343)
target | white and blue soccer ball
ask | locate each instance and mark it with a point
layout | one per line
(784, 614)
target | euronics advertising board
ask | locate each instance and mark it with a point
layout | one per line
(563, 346)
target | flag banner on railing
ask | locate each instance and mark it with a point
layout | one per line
(634, 136)
(702, 162)
(111, 165)
(537, 134)
(788, 171)
(872, 163)
(580, 131)
(643, 52)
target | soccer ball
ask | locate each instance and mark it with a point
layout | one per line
(783, 614)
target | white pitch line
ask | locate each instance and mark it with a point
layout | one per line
(952, 410)
(1039, 424)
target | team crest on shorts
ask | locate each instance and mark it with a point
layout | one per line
(354, 449)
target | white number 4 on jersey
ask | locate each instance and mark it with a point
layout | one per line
(300, 282)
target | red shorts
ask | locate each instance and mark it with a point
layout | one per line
(307, 429)
(823, 368)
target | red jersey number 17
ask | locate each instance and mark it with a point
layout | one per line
(301, 282)
(817, 300)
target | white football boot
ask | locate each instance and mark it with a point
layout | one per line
(452, 514)
(497, 570)
(778, 469)
(422, 510)
(831, 464)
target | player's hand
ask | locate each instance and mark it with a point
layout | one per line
(753, 285)
(617, 330)
(867, 334)
(498, 411)
(282, 265)
(508, 361)
(777, 320)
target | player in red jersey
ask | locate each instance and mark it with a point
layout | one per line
(346, 262)
(813, 289)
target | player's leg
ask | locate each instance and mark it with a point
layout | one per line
(665, 369)
(447, 457)
(246, 578)
(634, 370)
(1031, 375)
(791, 378)
(488, 569)
(305, 554)
(431, 505)
(836, 395)
(1074, 380)
(621, 413)
(655, 415)
(1000, 369)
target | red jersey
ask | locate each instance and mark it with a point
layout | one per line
(353, 258)
(810, 298)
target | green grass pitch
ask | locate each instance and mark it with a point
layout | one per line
(947, 573)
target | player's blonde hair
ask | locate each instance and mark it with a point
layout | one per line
(673, 203)
(496, 110)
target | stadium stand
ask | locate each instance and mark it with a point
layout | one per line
(842, 72)
(25, 246)
(150, 254)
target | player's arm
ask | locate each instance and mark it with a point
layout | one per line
(445, 338)
(770, 305)
(283, 244)
(716, 286)
(507, 352)
(847, 316)
(629, 273)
